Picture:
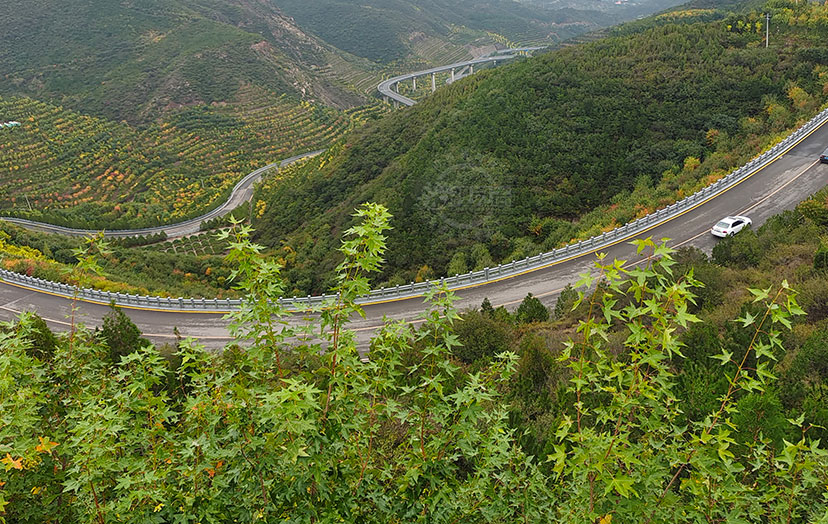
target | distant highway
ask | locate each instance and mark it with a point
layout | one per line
(242, 192)
(386, 87)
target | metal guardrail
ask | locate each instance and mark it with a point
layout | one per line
(386, 87)
(474, 278)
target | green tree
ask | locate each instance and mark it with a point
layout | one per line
(531, 310)
(42, 342)
(480, 336)
(604, 459)
(565, 301)
(120, 334)
(741, 250)
(457, 265)
(821, 257)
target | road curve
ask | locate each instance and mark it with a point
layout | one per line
(242, 192)
(385, 88)
(780, 185)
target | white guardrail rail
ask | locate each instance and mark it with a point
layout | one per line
(474, 278)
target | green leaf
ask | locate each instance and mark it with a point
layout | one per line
(747, 320)
(725, 357)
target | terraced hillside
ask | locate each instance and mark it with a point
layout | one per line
(68, 168)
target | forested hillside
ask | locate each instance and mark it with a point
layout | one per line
(146, 112)
(389, 30)
(533, 155)
(133, 61)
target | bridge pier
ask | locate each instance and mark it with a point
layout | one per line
(433, 82)
(471, 69)
(452, 74)
(415, 83)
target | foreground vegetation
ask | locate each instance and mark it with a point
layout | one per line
(104, 427)
(560, 147)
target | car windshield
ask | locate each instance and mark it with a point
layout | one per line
(723, 225)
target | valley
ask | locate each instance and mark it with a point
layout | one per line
(236, 285)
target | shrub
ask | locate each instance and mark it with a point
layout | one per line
(531, 310)
(821, 257)
(120, 334)
(741, 250)
(565, 301)
(41, 341)
(481, 337)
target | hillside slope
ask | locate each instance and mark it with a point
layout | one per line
(141, 112)
(509, 162)
(134, 60)
(388, 30)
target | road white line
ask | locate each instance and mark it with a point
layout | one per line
(757, 204)
(780, 188)
(13, 302)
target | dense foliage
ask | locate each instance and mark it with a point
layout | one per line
(787, 247)
(530, 156)
(298, 432)
(190, 267)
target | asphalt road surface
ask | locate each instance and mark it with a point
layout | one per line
(779, 186)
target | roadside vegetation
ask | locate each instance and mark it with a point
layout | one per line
(681, 390)
(189, 267)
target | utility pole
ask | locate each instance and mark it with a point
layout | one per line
(767, 29)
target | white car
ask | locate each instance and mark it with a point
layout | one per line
(730, 225)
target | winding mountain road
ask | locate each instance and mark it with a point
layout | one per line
(241, 193)
(778, 186)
